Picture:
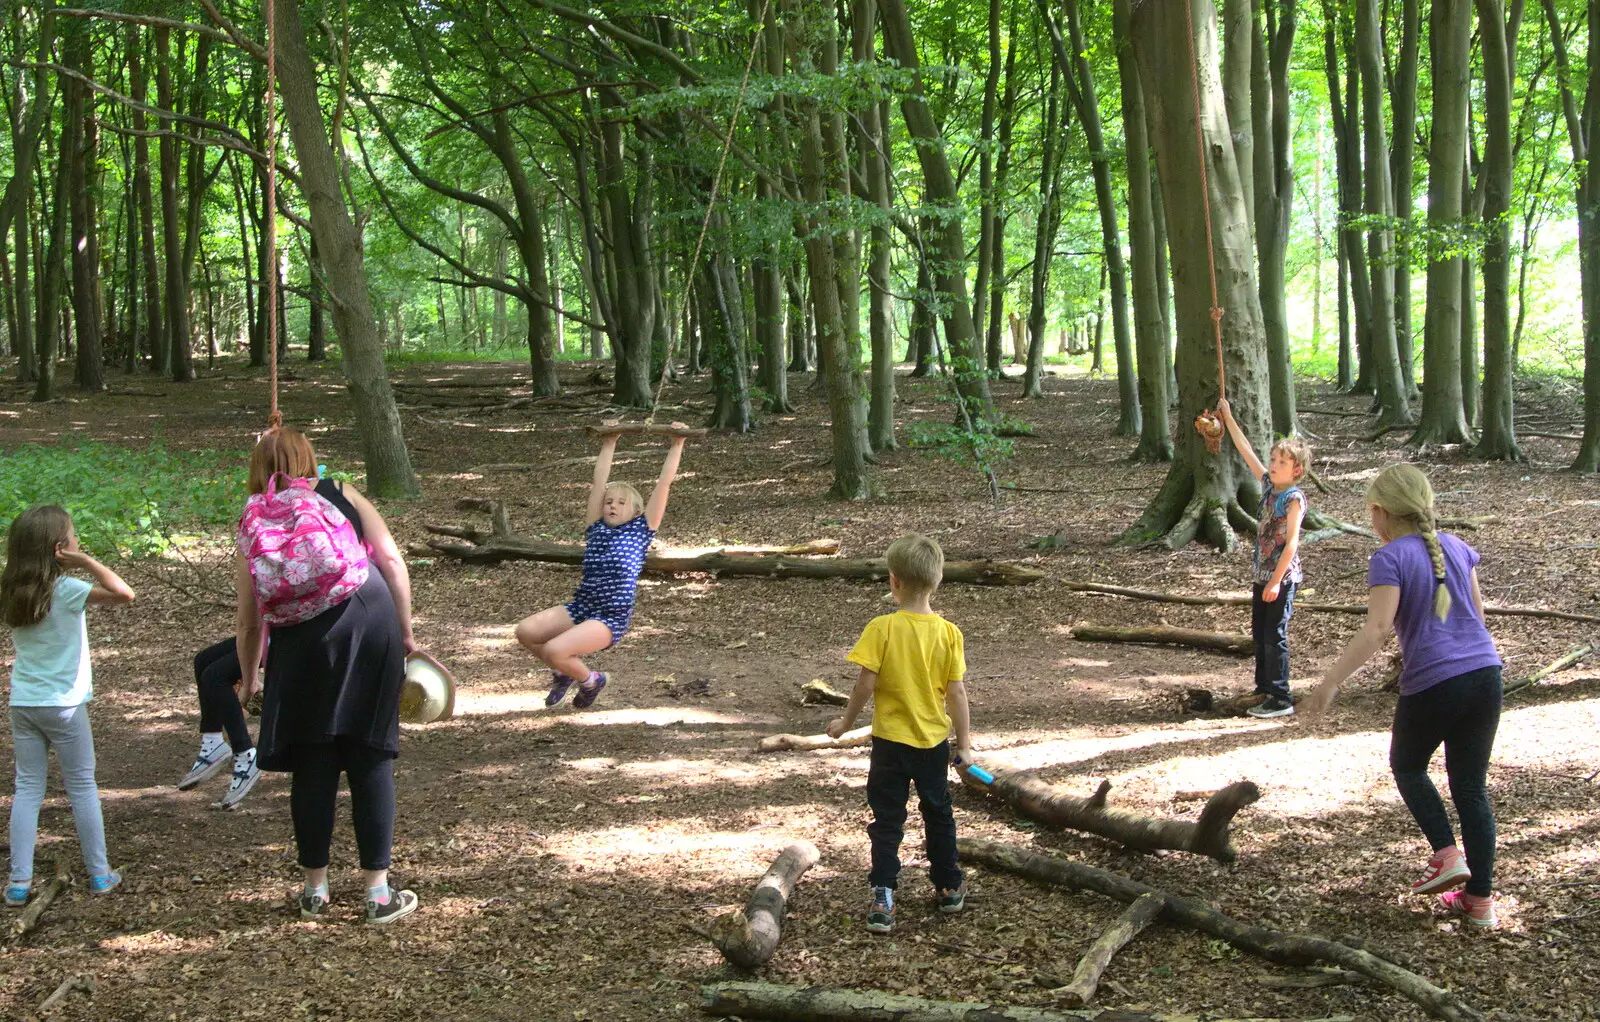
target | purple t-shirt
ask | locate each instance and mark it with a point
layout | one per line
(1433, 650)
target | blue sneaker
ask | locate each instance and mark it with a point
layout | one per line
(17, 894)
(589, 691)
(559, 683)
(105, 884)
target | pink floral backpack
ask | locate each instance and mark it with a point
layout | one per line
(303, 553)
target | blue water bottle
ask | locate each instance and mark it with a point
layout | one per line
(977, 771)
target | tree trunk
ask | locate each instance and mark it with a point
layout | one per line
(1080, 86)
(748, 938)
(530, 245)
(922, 322)
(1053, 128)
(388, 464)
(873, 141)
(1443, 419)
(1498, 439)
(997, 258)
(1471, 213)
(722, 310)
(1155, 432)
(77, 152)
(630, 256)
(1274, 196)
(1238, 57)
(1403, 94)
(28, 131)
(175, 338)
(24, 342)
(47, 336)
(316, 329)
(1201, 488)
(1355, 362)
(987, 211)
(939, 189)
(1394, 405)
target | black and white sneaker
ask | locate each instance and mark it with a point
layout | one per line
(1272, 706)
(206, 766)
(313, 907)
(245, 775)
(399, 905)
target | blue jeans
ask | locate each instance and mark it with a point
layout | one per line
(1269, 626)
(895, 767)
(34, 729)
(1462, 714)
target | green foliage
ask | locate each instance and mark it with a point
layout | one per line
(126, 502)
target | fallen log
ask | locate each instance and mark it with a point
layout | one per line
(818, 691)
(1327, 608)
(473, 546)
(1086, 979)
(749, 937)
(801, 743)
(1037, 800)
(1165, 635)
(35, 911)
(1549, 669)
(836, 1004)
(1313, 978)
(1273, 945)
(68, 985)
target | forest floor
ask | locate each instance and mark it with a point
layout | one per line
(569, 863)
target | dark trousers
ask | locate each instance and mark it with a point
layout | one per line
(1269, 627)
(314, 789)
(1462, 713)
(895, 767)
(216, 670)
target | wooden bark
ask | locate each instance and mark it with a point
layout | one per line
(805, 743)
(1288, 948)
(818, 691)
(68, 985)
(36, 908)
(1086, 979)
(779, 1003)
(749, 937)
(1499, 436)
(1167, 635)
(1035, 799)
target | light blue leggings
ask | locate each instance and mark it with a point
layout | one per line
(34, 729)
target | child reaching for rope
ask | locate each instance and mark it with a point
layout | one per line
(1276, 568)
(620, 528)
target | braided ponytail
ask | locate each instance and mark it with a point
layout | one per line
(1404, 492)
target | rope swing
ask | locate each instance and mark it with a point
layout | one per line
(1206, 423)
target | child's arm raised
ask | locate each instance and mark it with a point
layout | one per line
(1240, 441)
(602, 476)
(109, 589)
(656, 509)
(865, 682)
(1291, 546)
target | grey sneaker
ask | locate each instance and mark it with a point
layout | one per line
(880, 911)
(245, 775)
(1272, 706)
(953, 901)
(205, 767)
(313, 907)
(399, 905)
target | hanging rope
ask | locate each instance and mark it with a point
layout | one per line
(274, 417)
(1209, 426)
(711, 204)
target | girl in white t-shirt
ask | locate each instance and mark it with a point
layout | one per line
(51, 683)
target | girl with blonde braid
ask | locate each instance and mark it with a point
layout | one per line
(1423, 585)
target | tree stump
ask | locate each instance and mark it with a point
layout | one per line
(749, 937)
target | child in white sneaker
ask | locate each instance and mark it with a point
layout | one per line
(224, 733)
(51, 685)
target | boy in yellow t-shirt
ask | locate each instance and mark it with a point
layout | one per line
(912, 663)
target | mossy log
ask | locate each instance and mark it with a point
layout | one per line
(1273, 945)
(1165, 635)
(1045, 803)
(780, 1003)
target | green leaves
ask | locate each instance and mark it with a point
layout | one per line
(126, 502)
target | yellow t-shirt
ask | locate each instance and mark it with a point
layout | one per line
(916, 657)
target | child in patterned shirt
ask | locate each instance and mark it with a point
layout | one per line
(620, 528)
(1276, 570)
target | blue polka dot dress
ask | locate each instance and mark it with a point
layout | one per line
(613, 557)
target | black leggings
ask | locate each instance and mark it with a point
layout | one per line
(216, 671)
(315, 788)
(1462, 713)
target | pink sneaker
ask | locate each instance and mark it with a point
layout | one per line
(1446, 869)
(1475, 910)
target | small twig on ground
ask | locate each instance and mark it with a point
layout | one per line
(68, 985)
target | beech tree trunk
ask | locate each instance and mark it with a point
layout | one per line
(1403, 93)
(77, 152)
(1498, 439)
(1053, 128)
(1201, 488)
(1274, 195)
(175, 339)
(47, 334)
(1355, 362)
(1443, 419)
(388, 464)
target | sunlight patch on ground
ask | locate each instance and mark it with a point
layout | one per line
(1051, 752)
(692, 845)
(660, 716)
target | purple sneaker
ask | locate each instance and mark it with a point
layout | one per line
(589, 691)
(559, 683)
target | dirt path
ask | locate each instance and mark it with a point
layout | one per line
(567, 862)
